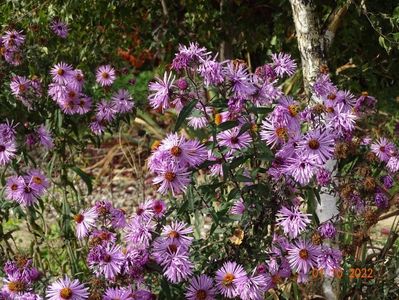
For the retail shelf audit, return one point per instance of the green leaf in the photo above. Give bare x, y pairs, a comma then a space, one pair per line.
185, 112
228, 125
87, 178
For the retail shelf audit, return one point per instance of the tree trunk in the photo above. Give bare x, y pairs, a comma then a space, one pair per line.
311, 44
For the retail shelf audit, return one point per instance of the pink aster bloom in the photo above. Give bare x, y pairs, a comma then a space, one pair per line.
177, 232
59, 28
283, 64
184, 152
393, 164
14, 184
67, 289
227, 278
161, 92
62, 73
8, 150
144, 211
37, 181
233, 140
97, 127
274, 133
76, 81
45, 137
211, 71
20, 86
303, 256
85, 220
122, 101
383, 148
110, 262
27, 195
7, 130
105, 75
341, 119
172, 178
319, 143
177, 265
301, 168
240, 81
201, 288
238, 207
253, 287
139, 232
13, 39
292, 221
105, 111
329, 260
83, 104
188, 55
117, 293
159, 207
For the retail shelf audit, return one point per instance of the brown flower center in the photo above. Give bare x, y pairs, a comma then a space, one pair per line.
218, 119
37, 180
60, 72
172, 248
200, 295
234, 140
105, 75
105, 236
174, 234
79, 218
304, 254
365, 94
16, 286
71, 94
293, 110
382, 149
66, 293
332, 96
107, 258
22, 88
314, 144
170, 176
158, 207
14, 187
281, 132
176, 151
228, 279
27, 189
276, 279
2, 148
330, 109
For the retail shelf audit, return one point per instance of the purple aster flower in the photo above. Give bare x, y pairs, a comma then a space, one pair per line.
14, 185
62, 73
301, 168
237, 75
383, 148
381, 201
327, 230
292, 221
176, 265
238, 207
118, 218
144, 211
323, 177
105, 75
20, 86
7, 130
139, 232
324, 86
188, 55
13, 39
303, 256
341, 119
319, 143
392, 165
161, 92
184, 152
172, 178
197, 119
76, 81
29, 296
15, 285
83, 104
387, 180
211, 71
252, 287
37, 181
122, 101
67, 289
233, 139
265, 93
329, 260
228, 277
27, 195
8, 150
59, 28
97, 127
177, 232
105, 111
201, 288
365, 103
110, 262
159, 207
102, 237
117, 293
283, 64
85, 220
274, 133
45, 137
161, 247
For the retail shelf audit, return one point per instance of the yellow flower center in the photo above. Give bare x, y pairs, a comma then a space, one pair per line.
170, 176
304, 254
66, 293
228, 279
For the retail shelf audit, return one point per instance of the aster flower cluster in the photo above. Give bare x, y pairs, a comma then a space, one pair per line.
26, 189
10, 43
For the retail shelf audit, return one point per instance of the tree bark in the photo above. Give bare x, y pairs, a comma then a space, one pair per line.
310, 41
312, 46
